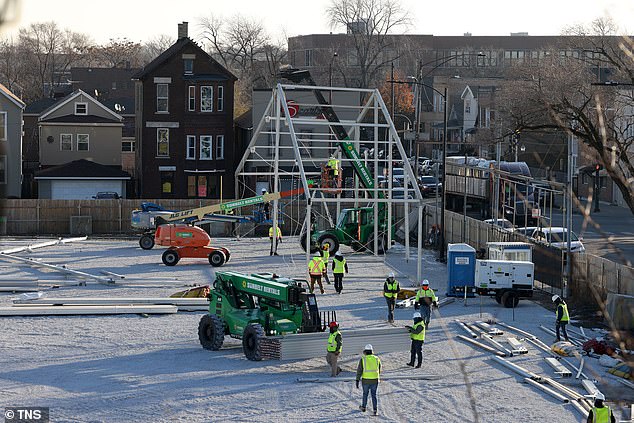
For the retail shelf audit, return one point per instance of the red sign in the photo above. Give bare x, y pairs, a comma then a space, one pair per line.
293, 108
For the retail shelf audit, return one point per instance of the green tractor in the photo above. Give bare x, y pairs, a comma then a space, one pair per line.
255, 308
355, 227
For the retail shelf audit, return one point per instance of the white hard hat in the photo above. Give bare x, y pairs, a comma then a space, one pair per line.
263, 189
416, 315
599, 396
368, 347
555, 298
425, 282
391, 275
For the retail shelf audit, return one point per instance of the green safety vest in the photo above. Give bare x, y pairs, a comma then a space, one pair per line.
325, 255
601, 415
340, 266
565, 317
418, 336
279, 232
316, 266
334, 165
332, 342
425, 293
391, 287
371, 365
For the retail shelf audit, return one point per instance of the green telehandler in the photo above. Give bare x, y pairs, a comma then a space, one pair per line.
255, 308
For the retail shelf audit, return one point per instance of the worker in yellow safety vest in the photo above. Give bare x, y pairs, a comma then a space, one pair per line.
600, 413
391, 289
325, 256
562, 316
335, 344
333, 164
417, 335
368, 372
316, 269
339, 266
279, 240
425, 299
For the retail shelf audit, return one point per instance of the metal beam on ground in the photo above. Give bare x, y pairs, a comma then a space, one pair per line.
546, 389
383, 378
467, 329
517, 369
183, 304
559, 368
86, 310
483, 346
32, 247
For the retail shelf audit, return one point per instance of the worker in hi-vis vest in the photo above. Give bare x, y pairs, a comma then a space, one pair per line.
339, 266
325, 256
562, 316
425, 299
316, 269
335, 344
391, 289
600, 413
368, 372
279, 240
417, 335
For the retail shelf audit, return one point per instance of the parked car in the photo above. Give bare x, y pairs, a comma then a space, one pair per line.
383, 182
526, 231
107, 195
399, 193
557, 237
429, 185
502, 223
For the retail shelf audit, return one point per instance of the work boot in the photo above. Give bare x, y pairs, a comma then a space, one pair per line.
338, 370
362, 408
275, 254
418, 366
323, 292
376, 412
411, 364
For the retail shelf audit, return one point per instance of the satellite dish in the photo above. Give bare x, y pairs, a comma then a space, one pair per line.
96, 93
119, 108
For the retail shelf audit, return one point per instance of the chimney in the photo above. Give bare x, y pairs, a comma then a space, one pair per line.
182, 30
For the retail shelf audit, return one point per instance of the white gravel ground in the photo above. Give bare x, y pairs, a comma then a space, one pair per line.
130, 368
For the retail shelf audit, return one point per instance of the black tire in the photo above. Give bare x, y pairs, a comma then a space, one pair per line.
217, 258
146, 241
330, 239
382, 244
211, 332
251, 341
510, 299
498, 297
170, 258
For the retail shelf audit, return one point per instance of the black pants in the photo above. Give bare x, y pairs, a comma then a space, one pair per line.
391, 303
416, 351
338, 282
562, 325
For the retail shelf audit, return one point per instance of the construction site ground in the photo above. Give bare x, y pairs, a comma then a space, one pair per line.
132, 368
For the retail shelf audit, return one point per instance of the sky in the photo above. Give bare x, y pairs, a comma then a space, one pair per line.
143, 20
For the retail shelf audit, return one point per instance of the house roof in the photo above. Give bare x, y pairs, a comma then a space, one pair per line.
70, 98
8, 94
82, 169
172, 50
81, 119
40, 105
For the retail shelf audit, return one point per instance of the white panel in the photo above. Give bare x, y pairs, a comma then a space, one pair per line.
82, 190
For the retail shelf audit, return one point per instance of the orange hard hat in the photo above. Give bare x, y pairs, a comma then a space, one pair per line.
333, 324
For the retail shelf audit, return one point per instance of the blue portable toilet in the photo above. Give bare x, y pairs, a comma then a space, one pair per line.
461, 261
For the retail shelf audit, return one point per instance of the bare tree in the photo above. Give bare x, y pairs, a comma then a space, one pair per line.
51, 51
117, 53
558, 94
368, 22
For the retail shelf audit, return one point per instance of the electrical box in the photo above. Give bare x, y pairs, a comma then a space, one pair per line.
509, 251
461, 263
502, 274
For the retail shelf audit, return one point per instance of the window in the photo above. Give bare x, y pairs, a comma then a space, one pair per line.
3, 125
584, 178
220, 147
221, 98
189, 66
205, 147
191, 147
202, 185
66, 142
467, 106
81, 109
3, 170
192, 98
162, 98
82, 142
128, 144
167, 182
162, 142
308, 56
206, 99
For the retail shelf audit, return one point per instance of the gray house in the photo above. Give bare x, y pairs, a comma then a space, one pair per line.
11, 108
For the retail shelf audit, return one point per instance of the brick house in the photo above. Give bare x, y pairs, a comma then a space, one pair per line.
184, 124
